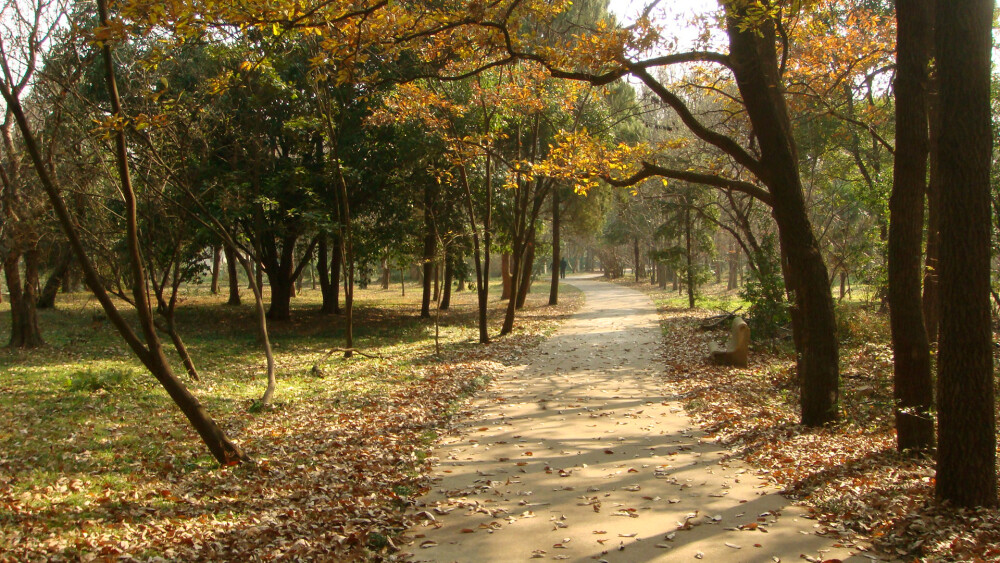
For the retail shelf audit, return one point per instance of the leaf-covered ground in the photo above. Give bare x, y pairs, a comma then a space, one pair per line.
859, 488
96, 464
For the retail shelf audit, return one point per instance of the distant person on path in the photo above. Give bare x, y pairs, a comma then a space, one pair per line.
562, 268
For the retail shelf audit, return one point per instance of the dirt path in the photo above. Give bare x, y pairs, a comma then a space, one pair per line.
583, 455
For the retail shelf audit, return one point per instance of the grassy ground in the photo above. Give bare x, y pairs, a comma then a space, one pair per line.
860, 489
97, 463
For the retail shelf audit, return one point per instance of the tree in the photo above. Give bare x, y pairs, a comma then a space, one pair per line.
966, 465
24, 37
911, 351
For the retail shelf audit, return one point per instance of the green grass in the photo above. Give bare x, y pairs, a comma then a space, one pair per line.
91, 436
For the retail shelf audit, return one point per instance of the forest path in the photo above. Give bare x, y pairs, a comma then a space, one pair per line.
583, 454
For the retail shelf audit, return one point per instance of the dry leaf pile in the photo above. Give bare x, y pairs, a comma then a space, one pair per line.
859, 488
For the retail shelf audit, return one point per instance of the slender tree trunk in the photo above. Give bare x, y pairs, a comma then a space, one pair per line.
449, 273
688, 253
505, 275
912, 383
482, 261
429, 252
556, 252
639, 272
734, 256
170, 328
966, 465
931, 296
526, 271
234, 278
216, 263
336, 273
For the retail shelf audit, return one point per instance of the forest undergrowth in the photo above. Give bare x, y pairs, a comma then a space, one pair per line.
857, 487
97, 465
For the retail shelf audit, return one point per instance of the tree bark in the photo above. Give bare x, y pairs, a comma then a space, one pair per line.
637, 266
688, 253
754, 60
449, 273
386, 273
556, 251
328, 288
931, 296
430, 246
966, 465
47, 297
24, 333
912, 385
216, 264
526, 270
505, 275
234, 279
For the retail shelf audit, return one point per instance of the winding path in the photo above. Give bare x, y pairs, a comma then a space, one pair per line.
584, 455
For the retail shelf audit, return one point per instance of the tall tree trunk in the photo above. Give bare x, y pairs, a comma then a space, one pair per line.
966, 465
754, 60
912, 385
336, 268
234, 278
216, 264
526, 271
430, 245
329, 291
688, 254
386, 273
637, 266
734, 256
47, 297
556, 252
449, 273
481, 256
931, 296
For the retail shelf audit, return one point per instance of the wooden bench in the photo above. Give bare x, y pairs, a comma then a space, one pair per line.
736, 350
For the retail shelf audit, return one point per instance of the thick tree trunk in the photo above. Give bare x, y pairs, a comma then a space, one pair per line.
216, 264
556, 252
280, 308
755, 64
47, 297
386, 273
966, 465
24, 330
912, 383
234, 279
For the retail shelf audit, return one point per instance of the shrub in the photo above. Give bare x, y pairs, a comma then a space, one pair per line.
108, 379
765, 292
